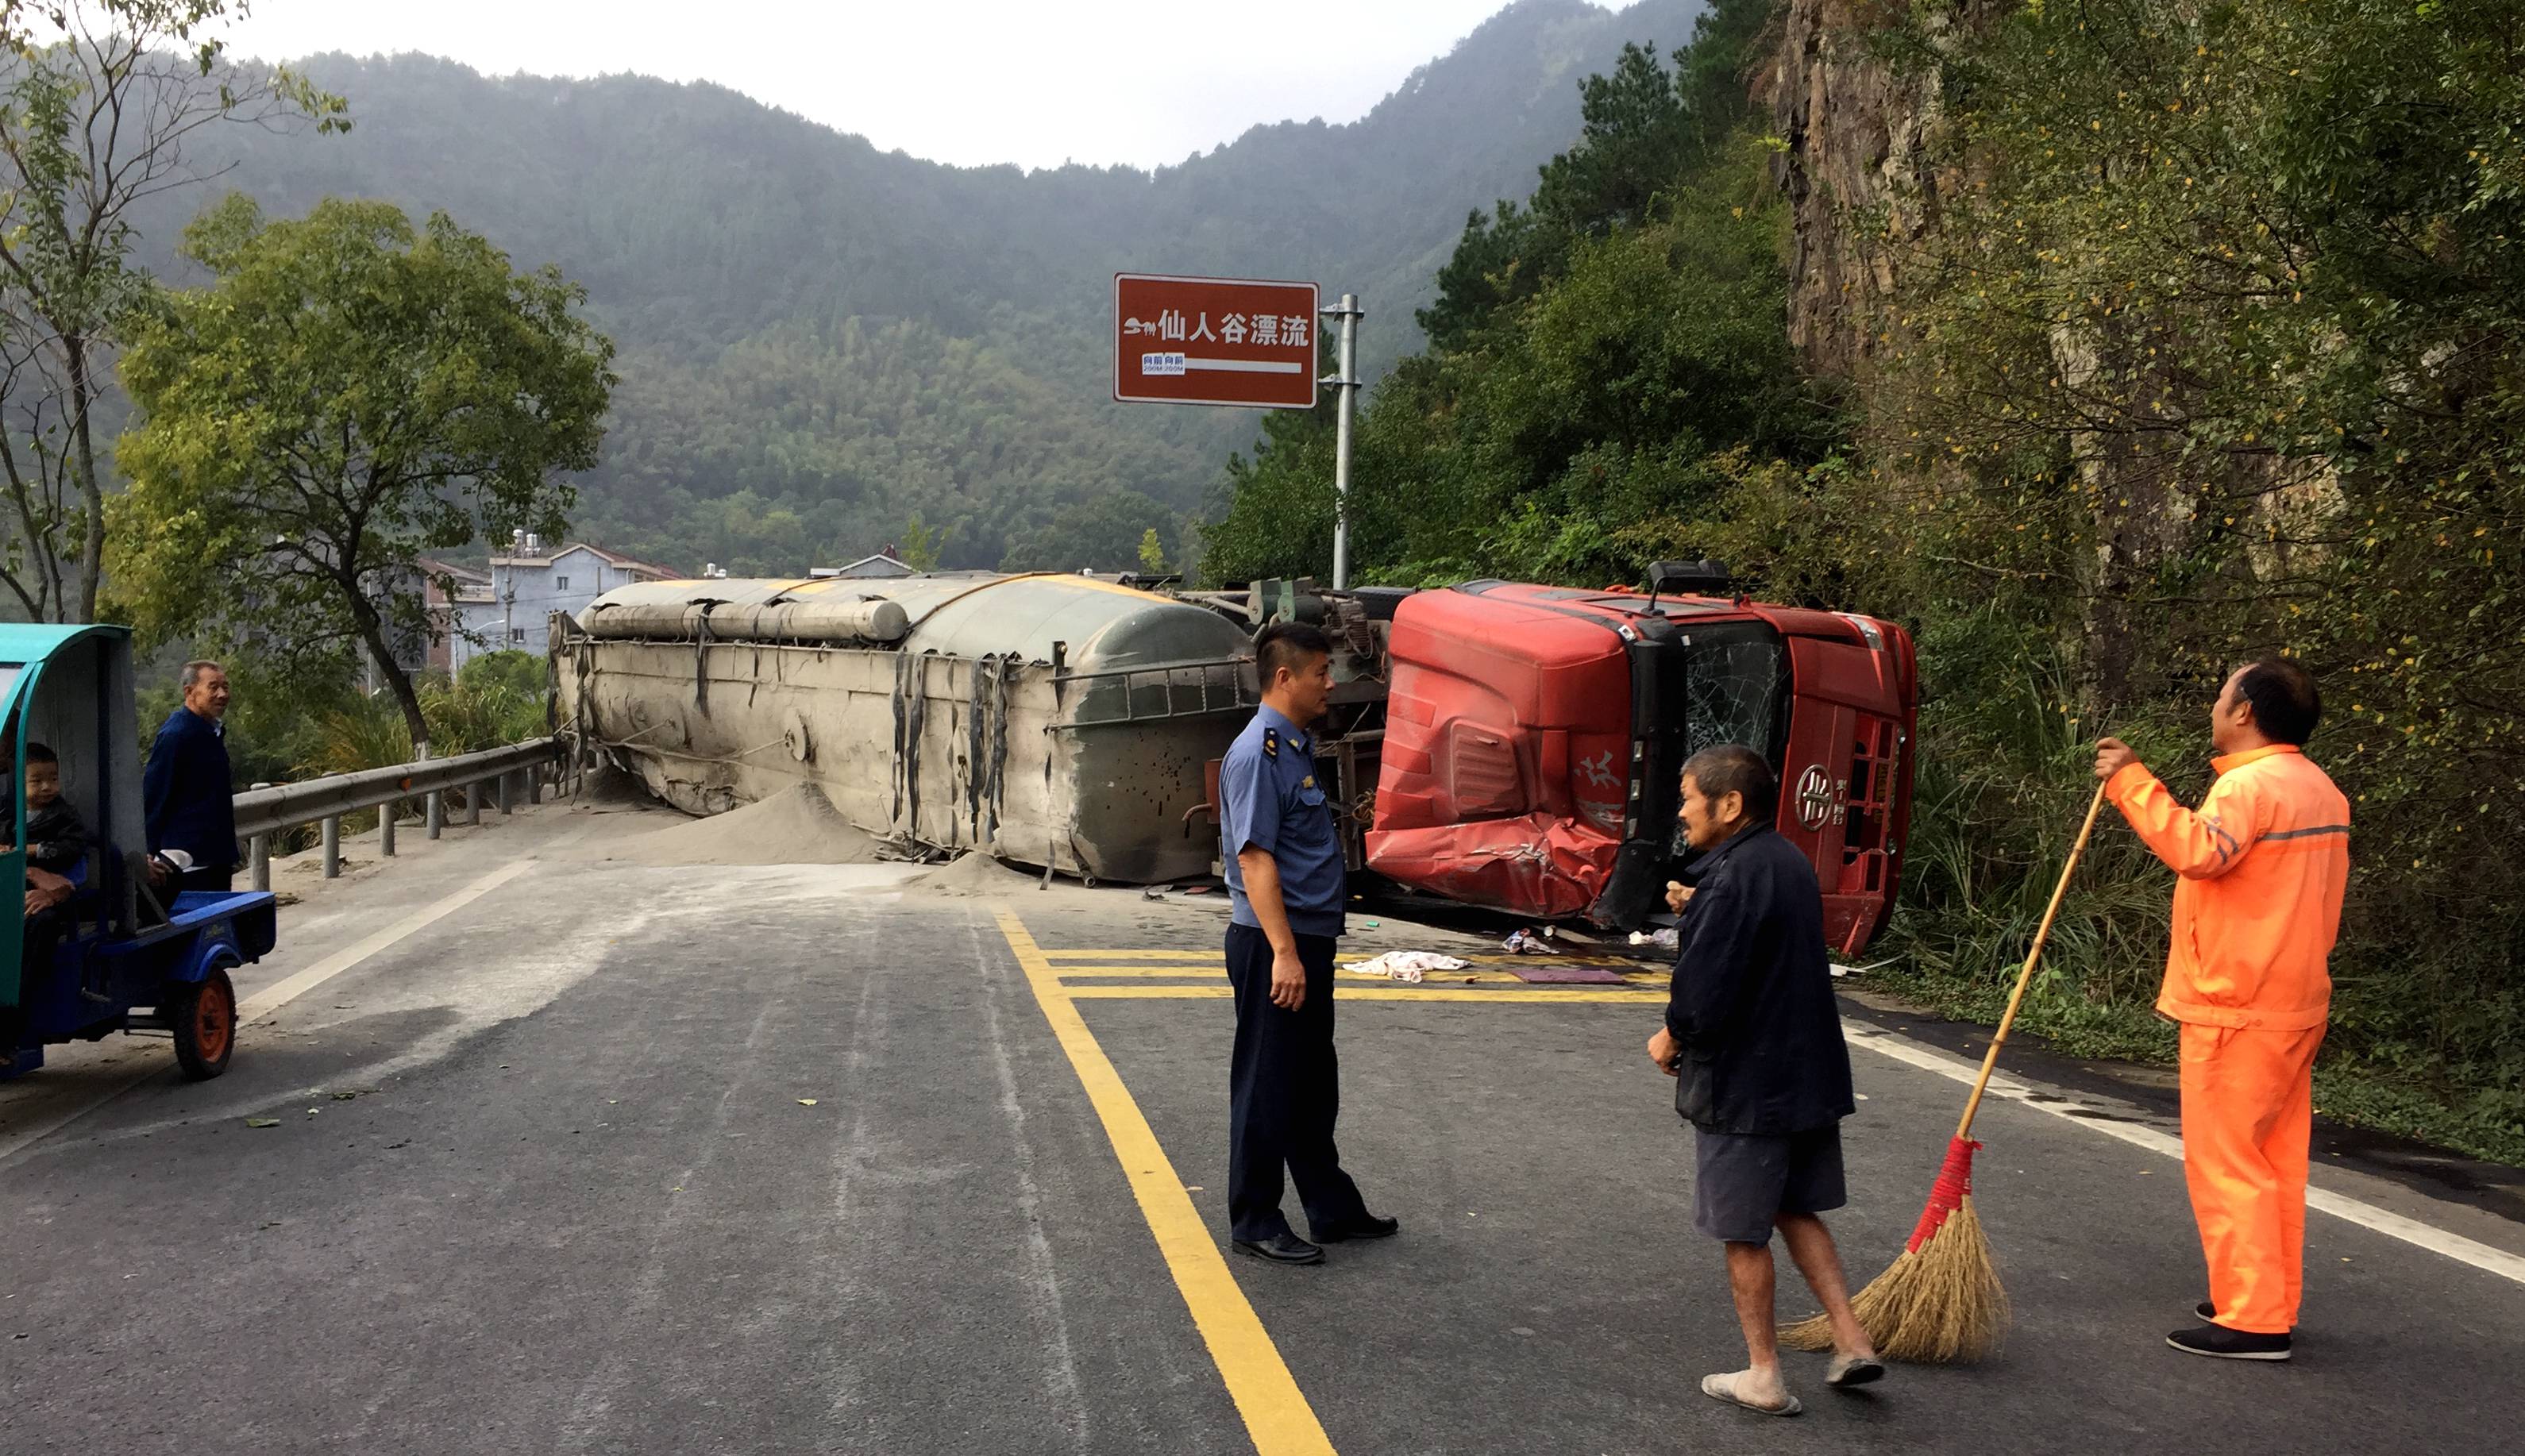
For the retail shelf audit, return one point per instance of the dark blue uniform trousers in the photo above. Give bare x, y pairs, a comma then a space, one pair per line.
1283, 1094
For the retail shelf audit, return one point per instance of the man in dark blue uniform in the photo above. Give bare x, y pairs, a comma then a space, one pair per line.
1753, 1032
1286, 884
185, 792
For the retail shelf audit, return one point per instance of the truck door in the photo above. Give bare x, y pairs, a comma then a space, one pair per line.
1843, 778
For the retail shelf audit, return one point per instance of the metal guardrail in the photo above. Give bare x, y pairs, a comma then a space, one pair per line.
266, 809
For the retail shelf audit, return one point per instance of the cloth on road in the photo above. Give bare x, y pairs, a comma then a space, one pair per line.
1751, 1002
1283, 1094
1407, 965
2248, 1121
1566, 975
2262, 864
1742, 1181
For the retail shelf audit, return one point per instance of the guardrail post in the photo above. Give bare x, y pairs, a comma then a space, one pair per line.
507, 781
332, 846
434, 807
386, 827
535, 784
474, 803
257, 858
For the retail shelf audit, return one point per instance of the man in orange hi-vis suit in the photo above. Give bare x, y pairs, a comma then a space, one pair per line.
2262, 864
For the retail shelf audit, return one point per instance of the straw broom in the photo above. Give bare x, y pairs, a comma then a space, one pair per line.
1941, 1300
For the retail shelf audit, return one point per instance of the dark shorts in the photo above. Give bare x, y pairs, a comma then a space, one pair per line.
1742, 1181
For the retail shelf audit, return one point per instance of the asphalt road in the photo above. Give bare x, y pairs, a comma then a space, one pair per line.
545, 1177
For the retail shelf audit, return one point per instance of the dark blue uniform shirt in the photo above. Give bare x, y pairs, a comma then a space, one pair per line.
1269, 800
185, 792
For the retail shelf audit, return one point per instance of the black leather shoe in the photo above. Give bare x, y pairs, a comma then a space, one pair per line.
1366, 1226
2219, 1342
1282, 1249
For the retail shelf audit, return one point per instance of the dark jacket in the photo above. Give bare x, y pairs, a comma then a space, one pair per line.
1751, 1002
56, 838
185, 792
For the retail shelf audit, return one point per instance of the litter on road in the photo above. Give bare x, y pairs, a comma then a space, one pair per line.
1407, 965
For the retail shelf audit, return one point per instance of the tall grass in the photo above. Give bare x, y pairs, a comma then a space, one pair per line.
2428, 1022
484, 706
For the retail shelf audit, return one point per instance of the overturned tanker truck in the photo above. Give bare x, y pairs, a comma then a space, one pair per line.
1497, 744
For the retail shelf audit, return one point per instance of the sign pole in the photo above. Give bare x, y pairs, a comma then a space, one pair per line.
1347, 381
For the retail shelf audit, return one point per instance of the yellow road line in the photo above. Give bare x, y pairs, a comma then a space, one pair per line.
1537, 995
1212, 973
1276, 1412
1067, 972
1216, 958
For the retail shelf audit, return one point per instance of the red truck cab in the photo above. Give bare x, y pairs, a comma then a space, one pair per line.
1534, 738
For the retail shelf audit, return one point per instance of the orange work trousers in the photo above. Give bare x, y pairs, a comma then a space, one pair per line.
2247, 1126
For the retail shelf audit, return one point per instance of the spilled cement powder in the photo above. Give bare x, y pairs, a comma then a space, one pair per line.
973, 875
795, 826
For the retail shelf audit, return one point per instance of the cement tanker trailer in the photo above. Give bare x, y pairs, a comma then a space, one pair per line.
1496, 743
1049, 720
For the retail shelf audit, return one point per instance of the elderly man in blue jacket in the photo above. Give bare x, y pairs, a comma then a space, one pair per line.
1752, 1033
185, 790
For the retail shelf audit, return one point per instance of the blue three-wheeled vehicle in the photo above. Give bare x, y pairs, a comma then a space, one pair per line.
94, 948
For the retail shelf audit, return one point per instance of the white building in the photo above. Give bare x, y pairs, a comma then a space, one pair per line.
883, 564
530, 583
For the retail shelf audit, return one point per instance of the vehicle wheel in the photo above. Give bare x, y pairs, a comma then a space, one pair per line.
204, 1020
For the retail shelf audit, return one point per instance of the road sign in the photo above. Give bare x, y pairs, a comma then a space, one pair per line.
1213, 341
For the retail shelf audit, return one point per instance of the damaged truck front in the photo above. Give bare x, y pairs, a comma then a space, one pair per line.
1509, 746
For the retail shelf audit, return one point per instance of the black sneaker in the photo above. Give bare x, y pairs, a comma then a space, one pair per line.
2208, 1312
2219, 1342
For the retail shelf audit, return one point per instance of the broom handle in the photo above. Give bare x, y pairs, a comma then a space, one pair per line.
2024, 977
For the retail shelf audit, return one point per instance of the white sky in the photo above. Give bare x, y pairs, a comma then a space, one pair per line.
970, 81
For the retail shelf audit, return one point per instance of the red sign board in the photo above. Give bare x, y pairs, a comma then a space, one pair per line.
1213, 341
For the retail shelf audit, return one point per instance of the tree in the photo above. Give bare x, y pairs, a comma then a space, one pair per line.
920, 545
99, 103
347, 395
1102, 533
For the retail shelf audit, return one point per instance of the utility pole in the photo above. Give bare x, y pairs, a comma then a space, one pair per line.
1347, 382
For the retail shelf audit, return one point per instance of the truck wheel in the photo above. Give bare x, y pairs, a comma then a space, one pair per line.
204, 1020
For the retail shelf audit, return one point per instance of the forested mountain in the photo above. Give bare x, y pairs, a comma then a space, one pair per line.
819, 340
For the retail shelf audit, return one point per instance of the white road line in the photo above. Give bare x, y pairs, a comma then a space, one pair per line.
280, 994
2368, 1216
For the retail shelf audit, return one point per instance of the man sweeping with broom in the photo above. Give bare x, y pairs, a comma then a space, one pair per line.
1752, 1033
2262, 863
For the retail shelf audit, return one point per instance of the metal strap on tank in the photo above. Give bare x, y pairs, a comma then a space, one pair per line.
977, 729
980, 586
701, 660
986, 747
911, 708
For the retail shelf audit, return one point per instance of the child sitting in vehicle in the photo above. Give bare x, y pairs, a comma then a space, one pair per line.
57, 838
57, 843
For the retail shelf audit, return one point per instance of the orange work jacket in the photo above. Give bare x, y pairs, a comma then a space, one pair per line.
2263, 862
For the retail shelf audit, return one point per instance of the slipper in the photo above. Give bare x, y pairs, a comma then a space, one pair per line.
1724, 1388
1854, 1369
